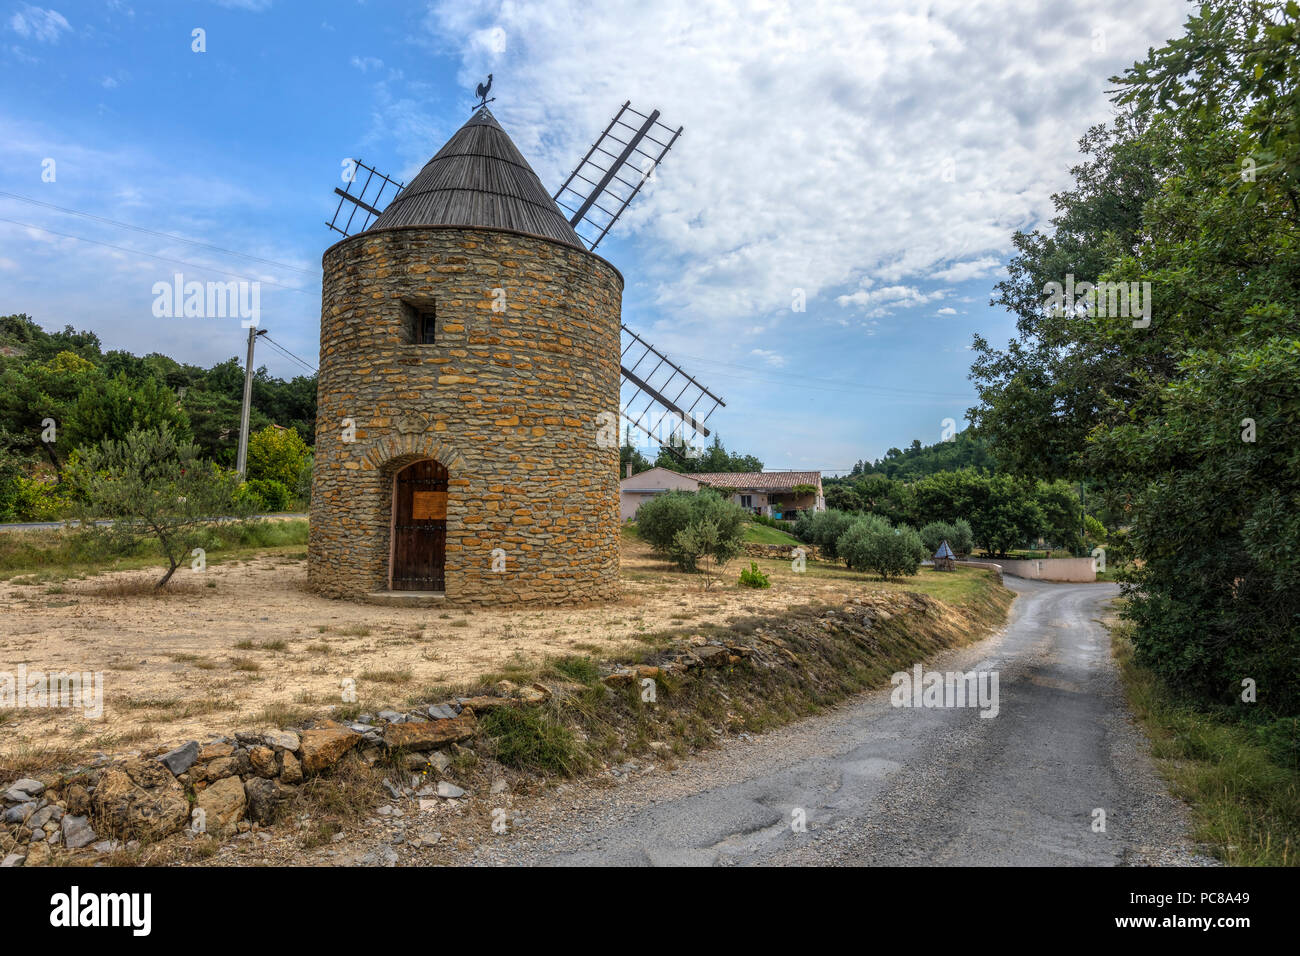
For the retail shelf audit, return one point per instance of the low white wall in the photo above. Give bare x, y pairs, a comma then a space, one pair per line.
1074, 570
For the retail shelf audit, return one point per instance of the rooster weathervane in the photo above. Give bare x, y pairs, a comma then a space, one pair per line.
482, 93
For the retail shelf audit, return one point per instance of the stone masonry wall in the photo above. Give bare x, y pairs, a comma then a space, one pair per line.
507, 400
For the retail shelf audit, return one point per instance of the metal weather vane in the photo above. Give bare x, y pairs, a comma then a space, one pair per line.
482, 93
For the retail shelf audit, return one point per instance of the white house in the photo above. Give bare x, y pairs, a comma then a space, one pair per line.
635, 491
770, 493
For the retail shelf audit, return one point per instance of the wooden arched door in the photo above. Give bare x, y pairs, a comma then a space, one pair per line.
419, 537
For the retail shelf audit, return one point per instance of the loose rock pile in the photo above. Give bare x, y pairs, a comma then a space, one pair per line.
238, 783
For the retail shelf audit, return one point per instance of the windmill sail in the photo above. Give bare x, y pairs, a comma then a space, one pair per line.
630, 150
684, 405
368, 200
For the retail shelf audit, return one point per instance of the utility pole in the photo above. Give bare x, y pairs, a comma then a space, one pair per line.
241, 460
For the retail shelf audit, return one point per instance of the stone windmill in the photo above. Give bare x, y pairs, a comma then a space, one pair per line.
471, 347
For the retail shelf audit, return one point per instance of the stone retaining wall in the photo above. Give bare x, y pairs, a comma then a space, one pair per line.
779, 552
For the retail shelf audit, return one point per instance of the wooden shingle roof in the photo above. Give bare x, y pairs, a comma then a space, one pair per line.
479, 178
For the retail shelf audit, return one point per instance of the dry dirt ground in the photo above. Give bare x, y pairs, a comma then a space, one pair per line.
245, 646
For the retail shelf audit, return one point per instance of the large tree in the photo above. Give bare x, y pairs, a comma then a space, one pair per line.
1189, 427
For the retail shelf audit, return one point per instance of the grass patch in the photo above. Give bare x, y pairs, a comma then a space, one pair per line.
1241, 781
582, 669
765, 534
529, 739
349, 791
386, 677
56, 555
136, 587
283, 715
353, 630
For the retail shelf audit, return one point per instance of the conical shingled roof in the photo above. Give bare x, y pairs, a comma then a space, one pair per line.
479, 178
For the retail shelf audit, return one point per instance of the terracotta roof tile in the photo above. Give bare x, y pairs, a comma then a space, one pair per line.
759, 480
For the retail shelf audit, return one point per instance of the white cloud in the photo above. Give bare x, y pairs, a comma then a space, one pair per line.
35, 23
962, 271
491, 41
947, 310
815, 133
774, 359
367, 63
885, 300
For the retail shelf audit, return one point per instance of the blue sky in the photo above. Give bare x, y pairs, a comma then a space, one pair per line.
876, 157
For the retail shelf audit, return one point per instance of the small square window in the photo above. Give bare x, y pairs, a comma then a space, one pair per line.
419, 326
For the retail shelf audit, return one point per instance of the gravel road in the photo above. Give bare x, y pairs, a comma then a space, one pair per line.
880, 785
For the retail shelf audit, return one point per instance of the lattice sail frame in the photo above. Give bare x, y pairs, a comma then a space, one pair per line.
586, 204
367, 201
685, 405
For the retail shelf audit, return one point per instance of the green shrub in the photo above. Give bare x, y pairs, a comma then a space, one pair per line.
267, 494
531, 740
277, 454
963, 538
957, 533
870, 544
30, 499
301, 490
1094, 532
717, 526
751, 577
824, 529
153, 487
706, 547
659, 519
857, 542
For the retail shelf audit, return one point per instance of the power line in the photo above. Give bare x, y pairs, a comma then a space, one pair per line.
163, 235
802, 384
149, 255
802, 381
287, 354
285, 351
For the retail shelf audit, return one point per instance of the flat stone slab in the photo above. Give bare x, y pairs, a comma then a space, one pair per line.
406, 598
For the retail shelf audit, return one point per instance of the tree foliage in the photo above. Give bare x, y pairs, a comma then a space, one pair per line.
871, 544
152, 486
1188, 429
966, 449
958, 534
662, 519
714, 457
277, 454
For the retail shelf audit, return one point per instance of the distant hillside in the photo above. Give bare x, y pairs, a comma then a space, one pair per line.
965, 450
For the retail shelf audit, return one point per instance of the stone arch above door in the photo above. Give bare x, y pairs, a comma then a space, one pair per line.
405, 449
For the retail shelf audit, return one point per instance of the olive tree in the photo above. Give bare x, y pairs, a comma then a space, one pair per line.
150, 486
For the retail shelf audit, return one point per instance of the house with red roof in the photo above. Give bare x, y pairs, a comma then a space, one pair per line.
775, 494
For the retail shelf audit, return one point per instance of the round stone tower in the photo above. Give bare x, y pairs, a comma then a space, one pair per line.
469, 372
